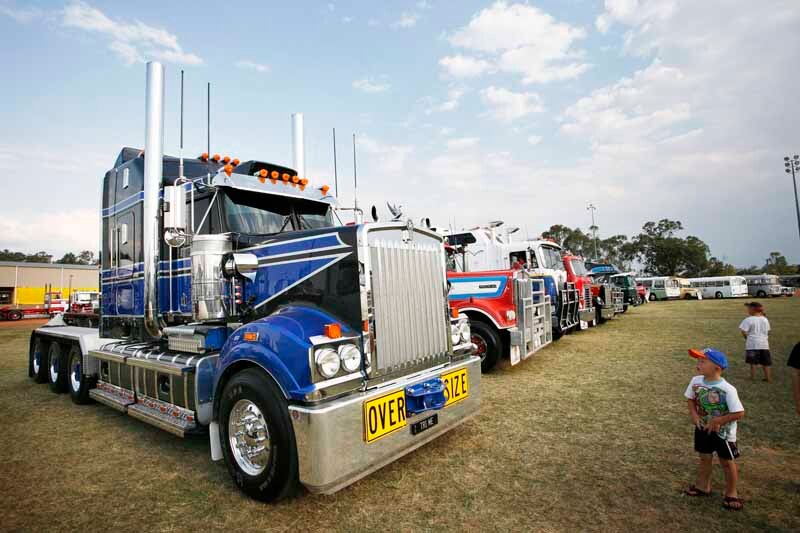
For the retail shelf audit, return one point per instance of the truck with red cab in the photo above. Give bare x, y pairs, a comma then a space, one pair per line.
577, 274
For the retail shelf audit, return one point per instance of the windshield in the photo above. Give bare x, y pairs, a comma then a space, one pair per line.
261, 214
579, 267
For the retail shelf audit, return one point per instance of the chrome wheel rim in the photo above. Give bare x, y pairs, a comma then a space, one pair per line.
54, 369
75, 374
248, 436
480, 346
37, 360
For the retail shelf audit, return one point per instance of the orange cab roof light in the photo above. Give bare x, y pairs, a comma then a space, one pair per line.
333, 331
235, 162
203, 156
324, 189
228, 169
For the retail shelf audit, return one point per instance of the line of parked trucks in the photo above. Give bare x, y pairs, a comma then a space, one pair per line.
236, 304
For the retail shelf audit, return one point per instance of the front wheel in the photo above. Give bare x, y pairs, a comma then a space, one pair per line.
761, 294
487, 343
652, 297
257, 437
718, 295
15, 315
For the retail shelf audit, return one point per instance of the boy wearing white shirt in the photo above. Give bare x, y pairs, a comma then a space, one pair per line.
715, 408
755, 330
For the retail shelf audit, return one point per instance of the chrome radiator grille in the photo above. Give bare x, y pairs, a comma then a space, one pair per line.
408, 304
587, 297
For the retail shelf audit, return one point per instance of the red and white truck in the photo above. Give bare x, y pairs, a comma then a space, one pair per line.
53, 305
577, 274
509, 310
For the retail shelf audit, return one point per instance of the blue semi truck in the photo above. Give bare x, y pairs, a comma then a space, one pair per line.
235, 303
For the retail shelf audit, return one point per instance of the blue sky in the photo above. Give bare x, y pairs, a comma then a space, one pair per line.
465, 111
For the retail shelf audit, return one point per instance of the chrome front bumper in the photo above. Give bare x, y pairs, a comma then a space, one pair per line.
586, 315
331, 449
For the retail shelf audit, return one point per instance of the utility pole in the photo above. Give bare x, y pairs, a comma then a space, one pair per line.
591, 207
793, 167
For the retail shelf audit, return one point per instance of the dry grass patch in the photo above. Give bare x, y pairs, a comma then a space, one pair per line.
591, 434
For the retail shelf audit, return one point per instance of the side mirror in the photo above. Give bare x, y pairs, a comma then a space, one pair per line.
374, 213
245, 265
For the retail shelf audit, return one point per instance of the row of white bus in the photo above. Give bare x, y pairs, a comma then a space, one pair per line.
673, 288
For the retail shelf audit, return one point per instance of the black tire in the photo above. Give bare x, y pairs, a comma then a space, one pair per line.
598, 313
57, 368
488, 342
653, 297
278, 478
37, 360
15, 315
761, 294
718, 295
78, 384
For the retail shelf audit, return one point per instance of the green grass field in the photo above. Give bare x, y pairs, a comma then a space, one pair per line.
590, 434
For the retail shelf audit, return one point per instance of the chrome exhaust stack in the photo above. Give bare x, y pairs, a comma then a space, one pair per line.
153, 181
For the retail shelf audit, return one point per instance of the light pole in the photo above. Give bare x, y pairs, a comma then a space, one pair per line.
591, 207
792, 167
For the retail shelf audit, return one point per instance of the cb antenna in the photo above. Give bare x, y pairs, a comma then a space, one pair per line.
208, 126
335, 173
355, 183
180, 164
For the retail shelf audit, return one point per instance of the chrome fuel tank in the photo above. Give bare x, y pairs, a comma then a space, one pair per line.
209, 289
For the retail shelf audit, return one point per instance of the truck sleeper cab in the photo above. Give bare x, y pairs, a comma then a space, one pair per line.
235, 303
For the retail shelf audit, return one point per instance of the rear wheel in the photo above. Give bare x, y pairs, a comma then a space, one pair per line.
257, 437
652, 297
15, 315
37, 360
718, 295
761, 294
79, 384
57, 368
487, 343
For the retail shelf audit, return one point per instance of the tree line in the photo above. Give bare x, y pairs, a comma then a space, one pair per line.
659, 250
85, 257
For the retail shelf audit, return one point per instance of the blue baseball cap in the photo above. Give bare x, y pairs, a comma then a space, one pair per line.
712, 354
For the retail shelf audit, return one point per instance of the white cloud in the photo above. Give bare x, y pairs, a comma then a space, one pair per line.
51, 232
252, 65
406, 20
424, 4
461, 66
368, 86
453, 100
507, 106
462, 143
388, 159
446, 131
347, 20
533, 140
22, 16
133, 42
523, 39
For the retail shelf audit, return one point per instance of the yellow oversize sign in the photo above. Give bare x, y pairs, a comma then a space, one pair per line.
384, 415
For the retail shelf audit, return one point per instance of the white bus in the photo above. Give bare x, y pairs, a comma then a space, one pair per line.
721, 286
662, 287
763, 285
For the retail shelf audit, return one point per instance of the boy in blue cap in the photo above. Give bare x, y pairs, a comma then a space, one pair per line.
715, 408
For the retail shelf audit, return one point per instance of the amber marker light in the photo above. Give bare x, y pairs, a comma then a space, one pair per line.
365, 326
250, 336
235, 162
332, 331
228, 170
324, 189
226, 159
203, 156
275, 174
454, 312
216, 158
295, 179
285, 176
304, 182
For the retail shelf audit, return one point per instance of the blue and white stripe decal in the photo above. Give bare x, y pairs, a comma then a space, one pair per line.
128, 202
476, 287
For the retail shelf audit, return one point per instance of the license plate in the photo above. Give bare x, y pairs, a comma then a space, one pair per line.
422, 425
456, 386
384, 415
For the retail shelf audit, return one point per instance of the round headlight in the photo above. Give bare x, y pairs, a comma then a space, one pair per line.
464, 332
327, 362
350, 356
455, 336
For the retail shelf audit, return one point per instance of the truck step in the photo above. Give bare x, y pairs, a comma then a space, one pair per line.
163, 415
112, 396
